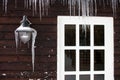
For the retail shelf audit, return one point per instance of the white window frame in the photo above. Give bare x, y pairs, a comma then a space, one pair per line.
108, 46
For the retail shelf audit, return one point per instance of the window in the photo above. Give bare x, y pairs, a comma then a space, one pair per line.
85, 48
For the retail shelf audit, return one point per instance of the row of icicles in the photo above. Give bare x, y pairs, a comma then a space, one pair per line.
83, 7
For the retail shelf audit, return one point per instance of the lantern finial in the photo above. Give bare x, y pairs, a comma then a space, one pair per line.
25, 22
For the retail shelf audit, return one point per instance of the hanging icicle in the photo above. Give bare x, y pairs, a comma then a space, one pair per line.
5, 5
40, 9
95, 7
47, 3
84, 8
79, 6
30, 4
114, 5
70, 6
91, 7
88, 9
15, 3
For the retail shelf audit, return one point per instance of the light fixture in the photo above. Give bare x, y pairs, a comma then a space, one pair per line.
24, 33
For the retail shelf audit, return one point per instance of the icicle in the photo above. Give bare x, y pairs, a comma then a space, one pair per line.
33, 7
46, 6
87, 8
30, 4
26, 4
15, 3
34, 34
74, 2
95, 7
70, 6
83, 8
85, 12
35, 4
40, 9
63, 2
47, 3
3, 4
79, 6
6, 4
91, 7
43, 8
114, 2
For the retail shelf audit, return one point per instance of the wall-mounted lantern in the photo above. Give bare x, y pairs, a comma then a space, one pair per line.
24, 33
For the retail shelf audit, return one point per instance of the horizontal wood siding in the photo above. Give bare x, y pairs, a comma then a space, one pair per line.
17, 66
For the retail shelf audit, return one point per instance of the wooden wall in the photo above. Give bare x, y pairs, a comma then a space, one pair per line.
17, 66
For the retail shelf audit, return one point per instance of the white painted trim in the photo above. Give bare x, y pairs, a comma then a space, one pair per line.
109, 46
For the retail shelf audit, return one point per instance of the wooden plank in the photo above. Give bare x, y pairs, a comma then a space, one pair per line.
27, 75
41, 35
22, 58
27, 66
117, 72
16, 20
27, 52
29, 79
42, 28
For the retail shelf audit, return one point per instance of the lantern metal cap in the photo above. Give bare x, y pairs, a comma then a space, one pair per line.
25, 22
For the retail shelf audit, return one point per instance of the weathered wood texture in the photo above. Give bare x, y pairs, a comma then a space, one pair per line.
18, 66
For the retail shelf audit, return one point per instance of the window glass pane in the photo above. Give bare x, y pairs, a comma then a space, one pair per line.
84, 77
70, 60
70, 77
70, 35
84, 60
99, 35
84, 35
99, 60
99, 77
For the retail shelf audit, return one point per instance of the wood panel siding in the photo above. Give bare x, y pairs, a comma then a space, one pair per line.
18, 66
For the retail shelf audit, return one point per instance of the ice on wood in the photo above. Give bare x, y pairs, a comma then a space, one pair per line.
23, 34
87, 7
84, 8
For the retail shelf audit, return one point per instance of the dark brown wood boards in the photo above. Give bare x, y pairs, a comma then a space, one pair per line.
17, 66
